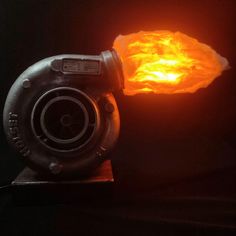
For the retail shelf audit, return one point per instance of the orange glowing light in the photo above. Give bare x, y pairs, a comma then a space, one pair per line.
166, 62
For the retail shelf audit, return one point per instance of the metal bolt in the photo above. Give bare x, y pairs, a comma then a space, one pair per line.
109, 107
55, 168
26, 83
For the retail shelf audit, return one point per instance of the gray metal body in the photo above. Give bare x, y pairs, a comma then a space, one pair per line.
61, 115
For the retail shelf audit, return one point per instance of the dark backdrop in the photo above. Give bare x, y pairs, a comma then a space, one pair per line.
170, 145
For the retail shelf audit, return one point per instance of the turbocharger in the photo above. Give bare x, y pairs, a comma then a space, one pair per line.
61, 115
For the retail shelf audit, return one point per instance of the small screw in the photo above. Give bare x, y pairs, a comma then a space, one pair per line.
109, 107
26, 83
55, 168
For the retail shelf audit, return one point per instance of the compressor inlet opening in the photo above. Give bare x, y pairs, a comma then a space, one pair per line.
64, 119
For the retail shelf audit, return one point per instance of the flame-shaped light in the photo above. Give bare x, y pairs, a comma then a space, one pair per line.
166, 62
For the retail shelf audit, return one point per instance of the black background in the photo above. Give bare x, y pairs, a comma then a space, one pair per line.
170, 145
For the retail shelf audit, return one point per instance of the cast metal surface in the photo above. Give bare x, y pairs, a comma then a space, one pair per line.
61, 115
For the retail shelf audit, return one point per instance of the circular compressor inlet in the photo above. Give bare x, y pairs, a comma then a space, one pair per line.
64, 119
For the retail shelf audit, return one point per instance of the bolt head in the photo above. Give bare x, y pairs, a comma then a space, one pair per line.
109, 107
55, 168
26, 83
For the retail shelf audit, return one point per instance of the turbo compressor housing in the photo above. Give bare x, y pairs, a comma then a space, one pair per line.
61, 115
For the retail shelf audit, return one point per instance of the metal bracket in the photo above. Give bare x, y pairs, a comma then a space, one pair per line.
31, 189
